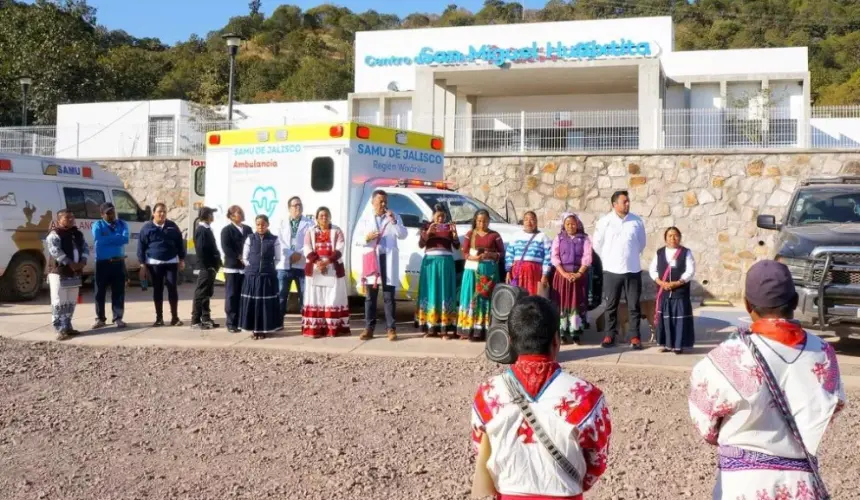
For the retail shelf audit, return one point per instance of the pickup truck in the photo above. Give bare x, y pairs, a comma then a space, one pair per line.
819, 241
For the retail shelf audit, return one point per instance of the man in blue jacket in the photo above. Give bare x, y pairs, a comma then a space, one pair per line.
111, 236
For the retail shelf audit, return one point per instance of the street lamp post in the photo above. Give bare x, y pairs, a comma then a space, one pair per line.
232, 40
25, 81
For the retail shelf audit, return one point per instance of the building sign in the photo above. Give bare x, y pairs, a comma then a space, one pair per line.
498, 56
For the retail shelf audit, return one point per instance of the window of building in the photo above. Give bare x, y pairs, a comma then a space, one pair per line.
322, 174
162, 136
84, 203
406, 209
126, 208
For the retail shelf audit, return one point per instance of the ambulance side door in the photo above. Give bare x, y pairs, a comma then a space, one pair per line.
196, 195
128, 210
410, 256
84, 201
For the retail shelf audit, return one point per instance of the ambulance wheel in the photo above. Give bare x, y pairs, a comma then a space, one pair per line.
24, 277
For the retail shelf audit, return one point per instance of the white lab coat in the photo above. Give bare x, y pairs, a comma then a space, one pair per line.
387, 244
284, 237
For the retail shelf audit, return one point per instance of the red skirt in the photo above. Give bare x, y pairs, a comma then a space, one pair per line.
527, 275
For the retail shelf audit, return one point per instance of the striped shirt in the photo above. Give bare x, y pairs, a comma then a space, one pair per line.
539, 251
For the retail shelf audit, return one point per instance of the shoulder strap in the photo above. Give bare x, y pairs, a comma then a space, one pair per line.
782, 405
519, 399
523, 256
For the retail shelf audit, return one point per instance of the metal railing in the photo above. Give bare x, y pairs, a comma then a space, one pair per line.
833, 127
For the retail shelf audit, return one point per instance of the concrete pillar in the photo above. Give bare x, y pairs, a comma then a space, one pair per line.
724, 94
804, 125
423, 100
649, 104
465, 123
350, 106
385, 112
450, 117
439, 98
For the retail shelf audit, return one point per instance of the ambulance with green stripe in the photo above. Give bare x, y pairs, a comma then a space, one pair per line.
339, 165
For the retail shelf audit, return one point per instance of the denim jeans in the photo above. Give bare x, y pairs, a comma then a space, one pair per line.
286, 277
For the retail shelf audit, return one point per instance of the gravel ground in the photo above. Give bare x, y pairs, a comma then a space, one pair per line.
120, 423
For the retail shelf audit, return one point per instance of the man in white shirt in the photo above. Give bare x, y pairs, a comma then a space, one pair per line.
380, 229
619, 240
291, 267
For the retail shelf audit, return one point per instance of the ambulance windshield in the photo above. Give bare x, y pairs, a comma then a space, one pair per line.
461, 208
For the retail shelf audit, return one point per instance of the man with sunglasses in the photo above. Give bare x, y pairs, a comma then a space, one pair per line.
291, 267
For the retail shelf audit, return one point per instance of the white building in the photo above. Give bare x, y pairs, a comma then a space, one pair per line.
168, 127
565, 86
605, 84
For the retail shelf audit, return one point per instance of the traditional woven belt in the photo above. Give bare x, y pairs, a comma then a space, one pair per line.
736, 459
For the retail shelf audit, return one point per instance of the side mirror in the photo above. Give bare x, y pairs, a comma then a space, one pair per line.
767, 222
510, 211
147, 213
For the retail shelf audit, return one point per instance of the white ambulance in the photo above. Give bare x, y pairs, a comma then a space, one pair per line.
339, 165
32, 190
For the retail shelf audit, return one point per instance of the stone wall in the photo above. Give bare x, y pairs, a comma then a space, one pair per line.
153, 180
712, 199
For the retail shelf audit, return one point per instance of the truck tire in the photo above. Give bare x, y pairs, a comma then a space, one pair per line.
23, 278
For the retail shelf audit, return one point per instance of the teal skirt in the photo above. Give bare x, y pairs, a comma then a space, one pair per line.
473, 319
436, 310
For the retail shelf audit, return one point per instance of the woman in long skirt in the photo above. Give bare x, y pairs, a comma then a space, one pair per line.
527, 257
571, 257
672, 269
260, 309
436, 310
325, 310
483, 249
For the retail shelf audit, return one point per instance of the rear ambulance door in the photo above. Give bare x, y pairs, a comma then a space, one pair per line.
195, 199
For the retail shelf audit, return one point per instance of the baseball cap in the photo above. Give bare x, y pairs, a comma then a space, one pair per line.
107, 207
769, 284
206, 212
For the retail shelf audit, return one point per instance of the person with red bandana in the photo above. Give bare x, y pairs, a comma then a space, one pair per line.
534, 406
766, 395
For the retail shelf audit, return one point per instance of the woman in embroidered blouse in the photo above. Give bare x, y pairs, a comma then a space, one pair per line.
571, 258
436, 310
483, 249
672, 269
326, 310
527, 257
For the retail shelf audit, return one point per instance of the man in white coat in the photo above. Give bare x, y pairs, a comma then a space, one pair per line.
380, 230
291, 267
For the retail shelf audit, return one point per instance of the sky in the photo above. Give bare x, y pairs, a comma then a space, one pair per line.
175, 20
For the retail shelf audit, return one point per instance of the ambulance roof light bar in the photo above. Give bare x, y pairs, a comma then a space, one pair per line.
421, 183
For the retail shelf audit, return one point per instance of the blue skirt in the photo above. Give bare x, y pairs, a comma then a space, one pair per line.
260, 310
675, 326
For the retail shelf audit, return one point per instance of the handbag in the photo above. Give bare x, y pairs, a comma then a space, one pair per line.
370, 260
514, 280
778, 397
520, 400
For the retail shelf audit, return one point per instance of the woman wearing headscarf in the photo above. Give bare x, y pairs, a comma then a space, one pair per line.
483, 249
672, 268
325, 308
527, 257
571, 258
260, 313
436, 311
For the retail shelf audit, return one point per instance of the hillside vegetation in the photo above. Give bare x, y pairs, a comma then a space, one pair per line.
296, 55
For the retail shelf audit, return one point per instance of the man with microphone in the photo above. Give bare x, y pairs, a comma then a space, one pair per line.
381, 229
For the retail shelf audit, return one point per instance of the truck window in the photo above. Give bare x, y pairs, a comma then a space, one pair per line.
126, 208
825, 207
200, 181
322, 174
460, 208
84, 203
408, 211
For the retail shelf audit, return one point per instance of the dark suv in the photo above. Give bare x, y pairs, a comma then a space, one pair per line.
819, 241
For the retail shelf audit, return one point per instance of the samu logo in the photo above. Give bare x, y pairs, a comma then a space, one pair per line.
264, 200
